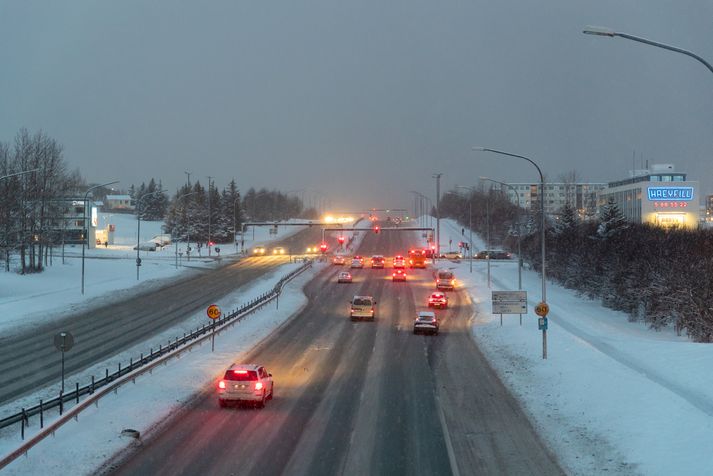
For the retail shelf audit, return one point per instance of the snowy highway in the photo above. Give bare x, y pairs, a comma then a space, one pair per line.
359, 397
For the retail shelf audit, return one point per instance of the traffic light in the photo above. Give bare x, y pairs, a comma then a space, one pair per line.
323, 247
340, 239
376, 229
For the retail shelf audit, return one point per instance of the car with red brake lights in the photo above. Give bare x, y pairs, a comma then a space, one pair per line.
377, 261
357, 262
438, 300
245, 383
399, 275
399, 261
445, 280
426, 321
344, 277
338, 259
362, 307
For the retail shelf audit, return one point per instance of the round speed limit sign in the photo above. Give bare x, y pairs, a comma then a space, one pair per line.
213, 311
542, 309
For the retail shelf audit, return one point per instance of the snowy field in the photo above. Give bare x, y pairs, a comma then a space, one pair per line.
34, 299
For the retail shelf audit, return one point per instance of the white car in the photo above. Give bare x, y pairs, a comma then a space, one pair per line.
245, 383
357, 263
426, 321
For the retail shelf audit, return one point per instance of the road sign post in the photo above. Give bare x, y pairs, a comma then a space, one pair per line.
214, 314
63, 341
542, 309
509, 302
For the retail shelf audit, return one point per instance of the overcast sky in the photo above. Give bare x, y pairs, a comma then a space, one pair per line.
359, 101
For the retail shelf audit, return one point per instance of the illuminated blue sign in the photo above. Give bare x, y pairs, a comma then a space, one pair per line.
673, 194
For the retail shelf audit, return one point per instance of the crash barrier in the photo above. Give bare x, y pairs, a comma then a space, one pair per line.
145, 362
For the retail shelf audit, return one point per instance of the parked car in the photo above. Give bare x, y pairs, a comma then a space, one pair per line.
245, 383
426, 321
492, 254
452, 255
438, 300
148, 246
344, 277
399, 275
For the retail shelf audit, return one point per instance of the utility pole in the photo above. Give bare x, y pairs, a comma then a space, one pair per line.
209, 210
437, 176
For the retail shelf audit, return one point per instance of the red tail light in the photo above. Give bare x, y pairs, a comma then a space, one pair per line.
258, 386
221, 384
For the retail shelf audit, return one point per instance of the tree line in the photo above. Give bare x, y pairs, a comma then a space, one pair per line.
660, 276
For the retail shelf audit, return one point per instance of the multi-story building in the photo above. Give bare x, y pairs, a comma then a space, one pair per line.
70, 228
580, 196
658, 195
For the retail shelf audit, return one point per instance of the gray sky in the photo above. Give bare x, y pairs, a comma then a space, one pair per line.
362, 100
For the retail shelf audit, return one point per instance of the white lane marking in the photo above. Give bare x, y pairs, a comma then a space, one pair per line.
447, 439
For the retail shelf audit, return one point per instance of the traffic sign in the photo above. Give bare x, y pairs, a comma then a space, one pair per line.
517, 296
213, 311
542, 323
542, 309
509, 302
64, 341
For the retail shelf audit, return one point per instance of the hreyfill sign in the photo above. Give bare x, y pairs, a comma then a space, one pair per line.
673, 194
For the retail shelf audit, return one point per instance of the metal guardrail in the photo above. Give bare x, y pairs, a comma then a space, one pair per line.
186, 341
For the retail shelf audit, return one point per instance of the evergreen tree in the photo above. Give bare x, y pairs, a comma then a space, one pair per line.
612, 221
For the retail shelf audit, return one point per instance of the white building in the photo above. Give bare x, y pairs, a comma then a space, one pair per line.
119, 202
658, 195
580, 196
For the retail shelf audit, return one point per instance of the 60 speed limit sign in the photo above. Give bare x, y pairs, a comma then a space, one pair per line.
213, 311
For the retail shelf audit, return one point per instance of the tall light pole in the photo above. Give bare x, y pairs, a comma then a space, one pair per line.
138, 228
19, 173
603, 31
438, 176
209, 213
519, 254
176, 242
542, 229
470, 222
189, 177
84, 221
235, 224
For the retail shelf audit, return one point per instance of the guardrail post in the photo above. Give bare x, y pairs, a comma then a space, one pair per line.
42, 415
106, 376
61, 403
119, 373
91, 390
151, 356
76, 386
159, 349
22, 424
131, 364
142, 359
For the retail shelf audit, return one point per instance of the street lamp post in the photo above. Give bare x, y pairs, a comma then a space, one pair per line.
84, 221
175, 241
438, 176
519, 254
603, 31
138, 228
542, 229
209, 214
470, 223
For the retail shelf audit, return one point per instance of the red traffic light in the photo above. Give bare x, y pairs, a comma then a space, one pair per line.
376, 229
323, 247
340, 239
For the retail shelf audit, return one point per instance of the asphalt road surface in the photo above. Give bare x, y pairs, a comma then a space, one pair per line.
359, 398
30, 360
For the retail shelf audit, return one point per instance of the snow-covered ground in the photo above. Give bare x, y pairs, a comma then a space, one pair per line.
30, 300
612, 397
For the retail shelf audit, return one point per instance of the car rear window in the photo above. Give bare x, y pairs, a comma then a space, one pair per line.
241, 375
362, 302
425, 317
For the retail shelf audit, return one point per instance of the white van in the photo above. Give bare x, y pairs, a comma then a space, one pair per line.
445, 280
362, 307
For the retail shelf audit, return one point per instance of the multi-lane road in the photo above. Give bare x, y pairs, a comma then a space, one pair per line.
359, 397
29, 360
